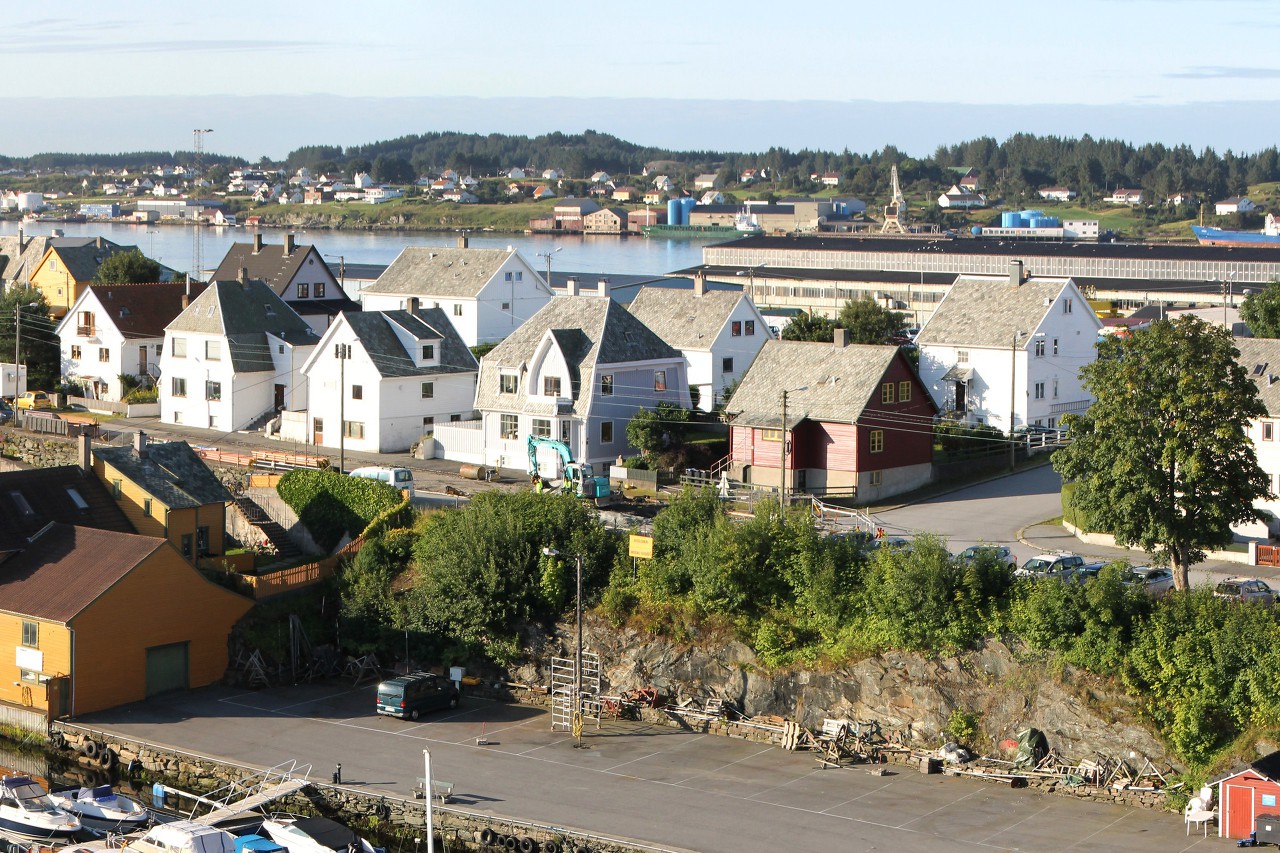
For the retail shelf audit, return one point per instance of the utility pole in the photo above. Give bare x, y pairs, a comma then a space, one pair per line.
342, 352
197, 238
577, 655
782, 486
1013, 400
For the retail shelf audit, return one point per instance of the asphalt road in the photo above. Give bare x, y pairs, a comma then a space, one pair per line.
672, 789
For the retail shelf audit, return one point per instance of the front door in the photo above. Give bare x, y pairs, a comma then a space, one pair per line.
1237, 805
279, 397
142, 361
317, 431
961, 388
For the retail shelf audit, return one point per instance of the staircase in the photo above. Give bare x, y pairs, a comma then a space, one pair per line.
275, 534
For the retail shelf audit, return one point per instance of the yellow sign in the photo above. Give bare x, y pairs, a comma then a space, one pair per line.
641, 546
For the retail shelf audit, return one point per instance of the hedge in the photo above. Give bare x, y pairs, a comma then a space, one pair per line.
332, 504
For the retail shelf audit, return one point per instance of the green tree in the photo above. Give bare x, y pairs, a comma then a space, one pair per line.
39, 350
1162, 460
1261, 310
807, 327
659, 431
869, 323
130, 267
393, 170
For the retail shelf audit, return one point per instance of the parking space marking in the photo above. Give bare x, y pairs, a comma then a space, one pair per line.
724, 766
634, 760
855, 799
1095, 832
1015, 823
783, 785
940, 808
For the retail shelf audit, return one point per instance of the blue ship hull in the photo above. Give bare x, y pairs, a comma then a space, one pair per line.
1221, 237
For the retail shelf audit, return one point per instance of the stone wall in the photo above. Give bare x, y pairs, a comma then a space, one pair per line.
36, 452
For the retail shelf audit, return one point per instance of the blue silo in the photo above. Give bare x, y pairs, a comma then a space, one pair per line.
673, 211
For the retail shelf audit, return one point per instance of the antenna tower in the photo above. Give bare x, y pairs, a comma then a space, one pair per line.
197, 235
895, 214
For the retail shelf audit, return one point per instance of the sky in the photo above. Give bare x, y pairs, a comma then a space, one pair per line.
268, 77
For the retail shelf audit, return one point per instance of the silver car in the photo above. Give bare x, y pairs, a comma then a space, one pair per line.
1153, 580
1060, 566
1000, 553
1245, 589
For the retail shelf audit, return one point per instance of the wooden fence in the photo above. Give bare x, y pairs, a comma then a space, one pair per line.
269, 459
271, 584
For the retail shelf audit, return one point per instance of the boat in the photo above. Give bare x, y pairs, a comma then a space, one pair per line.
688, 230
1268, 237
315, 835
25, 809
101, 808
181, 836
745, 223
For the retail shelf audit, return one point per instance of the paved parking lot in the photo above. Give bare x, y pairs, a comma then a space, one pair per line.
667, 787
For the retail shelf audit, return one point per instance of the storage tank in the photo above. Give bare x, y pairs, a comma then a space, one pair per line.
1011, 219
1052, 222
673, 211
687, 204
976, 230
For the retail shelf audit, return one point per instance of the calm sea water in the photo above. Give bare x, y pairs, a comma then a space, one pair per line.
172, 245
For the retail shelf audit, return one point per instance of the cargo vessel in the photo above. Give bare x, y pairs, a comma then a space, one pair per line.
1268, 237
690, 231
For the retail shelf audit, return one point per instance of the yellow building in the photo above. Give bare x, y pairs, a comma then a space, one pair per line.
70, 264
166, 490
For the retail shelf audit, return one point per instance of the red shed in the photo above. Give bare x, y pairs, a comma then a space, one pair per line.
1248, 793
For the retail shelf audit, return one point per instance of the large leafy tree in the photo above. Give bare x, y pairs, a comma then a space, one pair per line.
39, 347
809, 327
130, 267
869, 323
1162, 459
1261, 310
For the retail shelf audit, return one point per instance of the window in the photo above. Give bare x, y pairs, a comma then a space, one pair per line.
428, 425
660, 380
428, 390
75, 352
319, 290
213, 350
877, 478
751, 328
357, 392
507, 383
771, 435
606, 432
1066, 305
317, 426
428, 352
519, 276
77, 499
213, 421
304, 290
457, 309
736, 328
1268, 431
280, 349
213, 390
551, 386
506, 306
353, 429
1039, 390
179, 347
1055, 346
507, 277
32, 677
542, 427
104, 354
508, 426
904, 391
146, 506
606, 385
962, 356
453, 419
877, 440
886, 392
187, 542
177, 417
116, 489
1055, 389
1040, 349
202, 540
30, 634
726, 365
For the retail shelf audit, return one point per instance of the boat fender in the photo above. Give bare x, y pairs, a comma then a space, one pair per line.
383, 811
499, 840
528, 845
550, 846
58, 739
487, 837
511, 842
583, 850
89, 748
107, 759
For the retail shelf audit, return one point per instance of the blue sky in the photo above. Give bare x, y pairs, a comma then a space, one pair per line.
270, 76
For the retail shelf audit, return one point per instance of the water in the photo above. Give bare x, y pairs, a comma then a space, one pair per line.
171, 245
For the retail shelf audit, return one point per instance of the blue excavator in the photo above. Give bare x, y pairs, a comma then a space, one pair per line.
579, 478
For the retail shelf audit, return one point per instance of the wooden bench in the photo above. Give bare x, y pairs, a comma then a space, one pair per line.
443, 791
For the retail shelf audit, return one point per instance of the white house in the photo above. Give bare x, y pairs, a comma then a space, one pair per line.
706, 182
961, 199
830, 179
552, 174
1260, 357
577, 371
600, 178
362, 180
115, 329
516, 172
233, 355
991, 336
295, 271
1056, 193
711, 197
406, 372
487, 293
1124, 196
719, 333
1235, 204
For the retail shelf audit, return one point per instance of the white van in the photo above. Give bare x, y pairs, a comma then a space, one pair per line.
401, 478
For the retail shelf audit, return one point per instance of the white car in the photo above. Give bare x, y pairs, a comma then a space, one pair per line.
1045, 566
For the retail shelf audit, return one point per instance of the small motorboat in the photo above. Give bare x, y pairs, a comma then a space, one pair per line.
315, 835
25, 809
182, 836
101, 808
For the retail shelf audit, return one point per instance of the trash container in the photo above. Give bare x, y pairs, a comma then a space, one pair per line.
1267, 828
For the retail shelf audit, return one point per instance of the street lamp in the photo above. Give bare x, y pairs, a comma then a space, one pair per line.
577, 654
1226, 297
750, 273
782, 491
426, 795
547, 257
342, 272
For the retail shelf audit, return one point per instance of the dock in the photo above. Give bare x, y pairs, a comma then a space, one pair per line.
246, 795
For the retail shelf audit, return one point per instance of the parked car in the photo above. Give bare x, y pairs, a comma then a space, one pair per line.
6, 413
1087, 572
34, 400
1245, 589
409, 695
1153, 580
1000, 553
1045, 566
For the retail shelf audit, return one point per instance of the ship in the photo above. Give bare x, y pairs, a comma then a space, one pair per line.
690, 231
1268, 237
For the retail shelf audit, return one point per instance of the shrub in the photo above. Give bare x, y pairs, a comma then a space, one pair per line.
964, 727
331, 504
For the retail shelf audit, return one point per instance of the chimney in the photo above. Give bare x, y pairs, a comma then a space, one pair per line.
84, 453
98, 242
841, 338
186, 300
463, 243
602, 287
699, 284
140, 444
257, 243
22, 243
1015, 273
243, 275
288, 245
571, 286
411, 305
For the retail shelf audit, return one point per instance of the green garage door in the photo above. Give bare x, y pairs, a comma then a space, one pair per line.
166, 668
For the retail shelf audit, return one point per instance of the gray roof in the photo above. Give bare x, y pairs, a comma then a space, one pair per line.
19, 256
591, 331
170, 471
682, 318
1261, 358
433, 272
987, 311
375, 333
243, 313
82, 256
838, 382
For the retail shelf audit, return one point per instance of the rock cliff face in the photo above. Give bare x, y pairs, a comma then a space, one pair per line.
902, 691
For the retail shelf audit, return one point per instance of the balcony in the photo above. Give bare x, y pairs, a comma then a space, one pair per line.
86, 331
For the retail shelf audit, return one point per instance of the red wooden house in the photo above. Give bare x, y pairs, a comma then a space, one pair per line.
858, 419
1247, 794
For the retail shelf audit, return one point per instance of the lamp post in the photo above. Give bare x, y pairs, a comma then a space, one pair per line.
1226, 297
750, 273
426, 795
1013, 400
342, 272
547, 257
342, 352
782, 490
17, 339
577, 652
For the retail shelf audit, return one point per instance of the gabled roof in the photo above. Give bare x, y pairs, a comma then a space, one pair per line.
684, 319
430, 273
581, 205
591, 331
1260, 357
170, 471
243, 313
270, 264
20, 255
81, 256
142, 310
31, 499
987, 311
67, 568
1268, 767
376, 334
838, 382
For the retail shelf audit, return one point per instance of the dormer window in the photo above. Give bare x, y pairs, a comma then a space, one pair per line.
304, 290
551, 386
508, 383
428, 352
